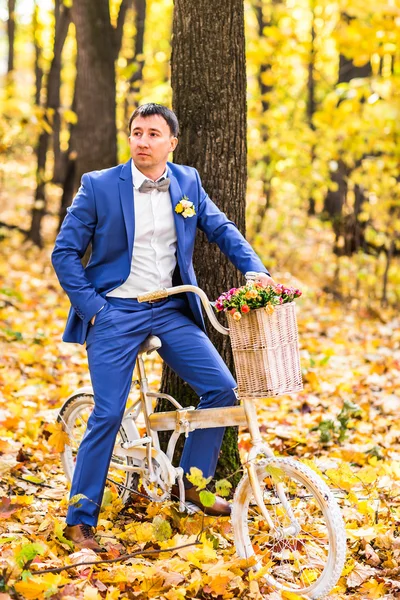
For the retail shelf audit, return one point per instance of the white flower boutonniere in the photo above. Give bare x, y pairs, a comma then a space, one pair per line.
185, 208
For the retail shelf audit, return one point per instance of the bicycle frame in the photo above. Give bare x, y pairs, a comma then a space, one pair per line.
184, 420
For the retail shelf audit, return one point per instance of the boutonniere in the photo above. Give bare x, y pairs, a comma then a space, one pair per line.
185, 208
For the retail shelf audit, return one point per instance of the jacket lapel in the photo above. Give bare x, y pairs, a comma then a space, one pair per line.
176, 196
125, 185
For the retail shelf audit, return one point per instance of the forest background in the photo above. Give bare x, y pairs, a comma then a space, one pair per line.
322, 209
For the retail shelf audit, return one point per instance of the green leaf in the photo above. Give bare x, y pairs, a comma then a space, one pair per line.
324, 361
162, 529
26, 574
32, 478
107, 498
75, 500
223, 487
28, 553
196, 477
5, 540
207, 498
276, 473
59, 533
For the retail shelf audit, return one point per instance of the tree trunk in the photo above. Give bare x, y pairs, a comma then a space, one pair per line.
131, 98
50, 117
264, 133
335, 200
11, 35
69, 169
95, 86
38, 69
311, 102
209, 97
62, 23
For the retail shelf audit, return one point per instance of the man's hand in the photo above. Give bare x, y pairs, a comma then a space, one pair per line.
265, 280
92, 320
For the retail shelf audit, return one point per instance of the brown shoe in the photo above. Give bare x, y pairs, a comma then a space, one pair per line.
82, 536
220, 508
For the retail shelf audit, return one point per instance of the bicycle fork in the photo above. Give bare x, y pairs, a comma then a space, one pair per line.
259, 447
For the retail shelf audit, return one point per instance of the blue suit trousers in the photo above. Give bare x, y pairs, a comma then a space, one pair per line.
112, 346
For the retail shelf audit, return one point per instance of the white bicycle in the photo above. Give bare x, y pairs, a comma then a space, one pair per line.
285, 519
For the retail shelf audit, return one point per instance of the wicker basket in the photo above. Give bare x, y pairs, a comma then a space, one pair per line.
266, 352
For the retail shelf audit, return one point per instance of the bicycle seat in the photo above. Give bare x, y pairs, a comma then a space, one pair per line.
150, 344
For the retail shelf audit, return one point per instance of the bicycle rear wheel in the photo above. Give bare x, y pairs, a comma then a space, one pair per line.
74, 415
305, 551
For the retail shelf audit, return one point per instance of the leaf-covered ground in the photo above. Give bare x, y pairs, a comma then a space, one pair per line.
345, 424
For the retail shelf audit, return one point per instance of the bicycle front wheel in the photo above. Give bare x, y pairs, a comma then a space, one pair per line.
304, 552
74, 415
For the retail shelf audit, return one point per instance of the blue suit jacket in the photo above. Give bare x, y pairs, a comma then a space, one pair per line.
103, 213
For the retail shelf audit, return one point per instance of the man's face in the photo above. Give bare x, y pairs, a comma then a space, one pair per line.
150, 143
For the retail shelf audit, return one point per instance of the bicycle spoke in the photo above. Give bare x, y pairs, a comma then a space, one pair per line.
294, 561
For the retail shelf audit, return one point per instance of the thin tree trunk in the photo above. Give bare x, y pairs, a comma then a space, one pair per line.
389, 257
38, 69
62, 22
11, 35
51, 110
265, 89
209, 97
135, 81
311, 102
335, 200
69, 170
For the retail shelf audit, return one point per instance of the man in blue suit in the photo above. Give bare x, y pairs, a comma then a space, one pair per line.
141, 218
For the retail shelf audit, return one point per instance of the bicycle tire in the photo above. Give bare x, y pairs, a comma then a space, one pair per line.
79, 406
311, 561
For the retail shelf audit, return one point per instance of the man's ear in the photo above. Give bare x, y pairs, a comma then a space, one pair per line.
174, 143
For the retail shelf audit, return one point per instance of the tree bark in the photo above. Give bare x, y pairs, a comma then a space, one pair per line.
62, 23
69, 169
335, 200
51, 117
95, 86
11, 35
38, 69
131, 99
209, 97
264, 21
311, 102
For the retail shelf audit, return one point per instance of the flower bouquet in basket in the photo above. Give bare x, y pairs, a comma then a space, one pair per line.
263, 332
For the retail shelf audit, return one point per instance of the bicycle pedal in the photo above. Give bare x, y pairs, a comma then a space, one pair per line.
191, 508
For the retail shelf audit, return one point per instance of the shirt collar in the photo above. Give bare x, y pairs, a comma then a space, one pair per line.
138, 178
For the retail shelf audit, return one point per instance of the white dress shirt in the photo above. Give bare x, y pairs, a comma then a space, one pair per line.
154, 247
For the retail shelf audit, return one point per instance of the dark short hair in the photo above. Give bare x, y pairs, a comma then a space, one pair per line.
147, 110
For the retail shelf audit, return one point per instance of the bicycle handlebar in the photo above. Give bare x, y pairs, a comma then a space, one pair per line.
165, 292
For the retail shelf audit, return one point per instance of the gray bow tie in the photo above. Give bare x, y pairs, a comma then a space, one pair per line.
148, 186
